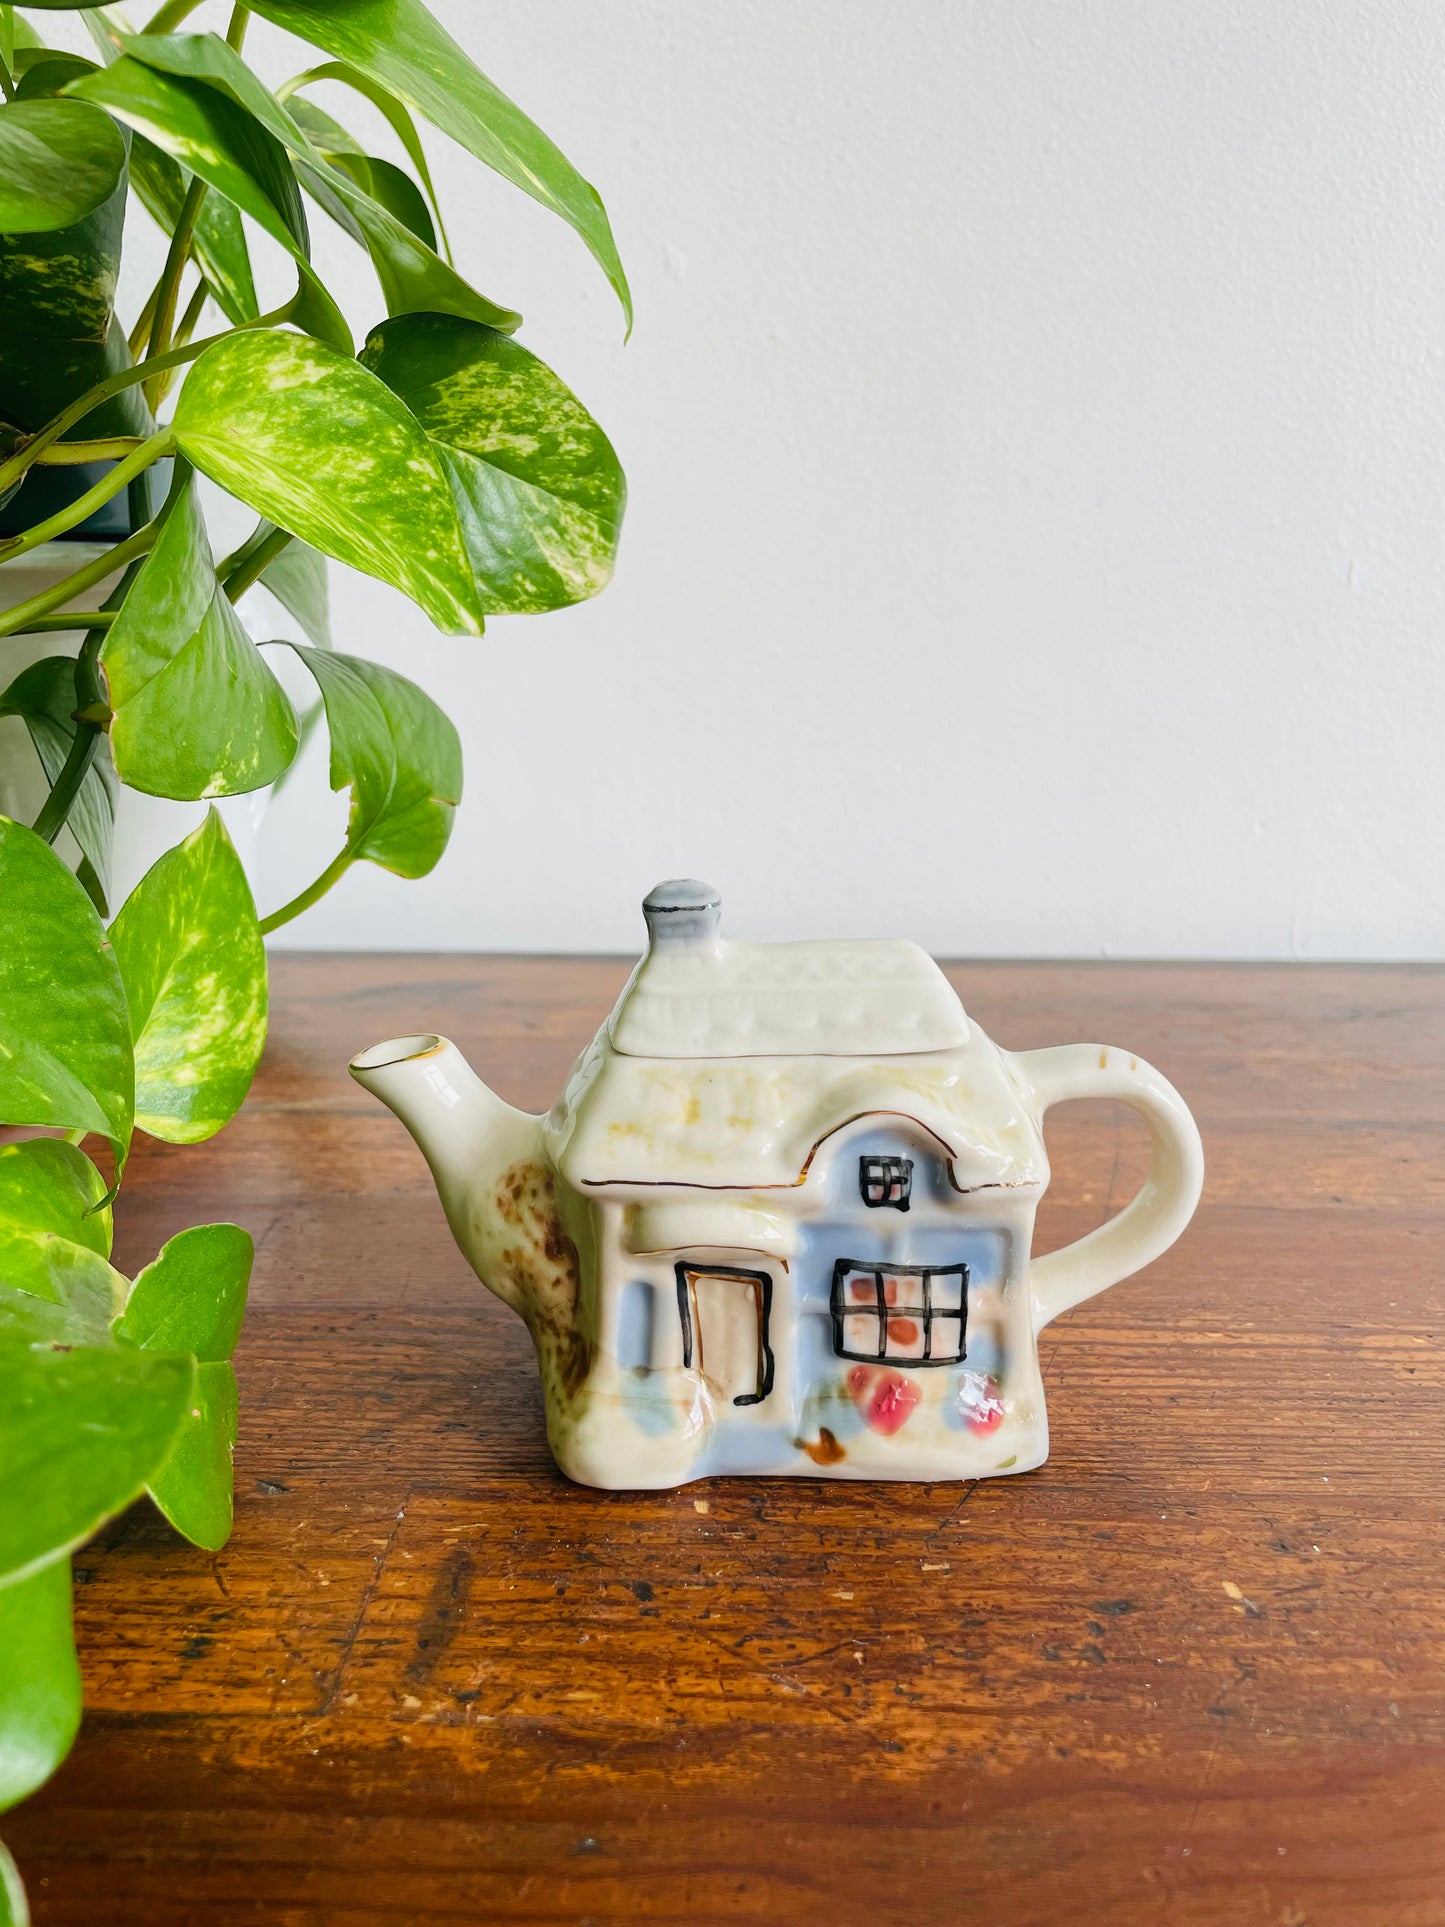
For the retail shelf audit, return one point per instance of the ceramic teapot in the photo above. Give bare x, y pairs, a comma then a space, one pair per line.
779, 1220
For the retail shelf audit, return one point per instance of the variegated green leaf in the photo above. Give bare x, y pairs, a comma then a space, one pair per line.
83, 1428
398, 754
58, 335
386, 102
44, 695
194, 967
540, 490
54, 1241
65, 1049
191, 1297
208, 134
39, 1681
59, 161
193, 1487
197, 712
42, 73
413, 277
314, 442
396, 191
402, 46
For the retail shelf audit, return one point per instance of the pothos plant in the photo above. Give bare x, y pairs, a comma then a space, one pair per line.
443, 458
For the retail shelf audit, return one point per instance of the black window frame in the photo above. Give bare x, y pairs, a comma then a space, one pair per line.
925, 1313
885, 1171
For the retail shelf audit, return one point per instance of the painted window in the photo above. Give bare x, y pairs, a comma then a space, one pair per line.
914, 1314
885, 1181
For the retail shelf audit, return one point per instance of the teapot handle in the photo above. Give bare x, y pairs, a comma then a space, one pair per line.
1165, 1203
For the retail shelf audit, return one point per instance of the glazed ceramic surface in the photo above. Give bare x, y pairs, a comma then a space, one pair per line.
779, 1220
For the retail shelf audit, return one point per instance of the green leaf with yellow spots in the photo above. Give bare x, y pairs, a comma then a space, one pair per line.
197, 712
59, 161
65, 1048
190, 952
539, 489
39, 1681
209, 135
317, 444
398, 754
58, 335
400, 45
412, 275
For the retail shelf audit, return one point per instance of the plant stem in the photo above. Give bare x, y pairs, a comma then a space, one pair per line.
236, 31
15, 467
313, 893
93, 498
16, 621
92, 714
170, 16
186, 326
170, 283
73, 772
143, 321
68, 619
109, 449
251, 562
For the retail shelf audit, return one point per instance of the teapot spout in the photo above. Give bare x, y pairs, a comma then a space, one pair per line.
468, 1136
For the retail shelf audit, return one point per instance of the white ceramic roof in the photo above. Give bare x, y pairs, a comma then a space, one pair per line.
869, 998
754, 1123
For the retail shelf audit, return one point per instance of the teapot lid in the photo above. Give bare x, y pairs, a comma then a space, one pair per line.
695, 994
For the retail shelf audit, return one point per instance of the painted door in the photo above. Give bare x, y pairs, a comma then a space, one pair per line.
724, 1312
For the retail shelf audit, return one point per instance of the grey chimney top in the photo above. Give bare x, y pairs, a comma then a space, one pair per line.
682, 910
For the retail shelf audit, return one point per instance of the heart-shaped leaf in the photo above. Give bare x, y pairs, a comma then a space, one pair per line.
314, 442
83, 1428
191, 1297
196, 710
539, 487
65, 1049
208, 134
59, 161
399, 755
193, 1488
194, 967
54, 1241
44, 695
39, 1681
399, 44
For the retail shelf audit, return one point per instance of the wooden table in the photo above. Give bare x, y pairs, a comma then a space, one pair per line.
1193, 1671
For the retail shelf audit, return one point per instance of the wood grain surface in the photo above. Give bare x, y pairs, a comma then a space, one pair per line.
1192, 1671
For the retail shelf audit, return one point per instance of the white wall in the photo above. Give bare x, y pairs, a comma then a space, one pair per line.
1036, 429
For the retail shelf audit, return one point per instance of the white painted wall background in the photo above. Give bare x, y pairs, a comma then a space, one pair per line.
1036, 430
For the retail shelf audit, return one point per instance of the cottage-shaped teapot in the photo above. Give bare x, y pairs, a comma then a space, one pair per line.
779, 1220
